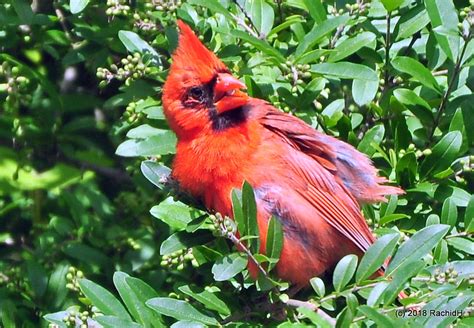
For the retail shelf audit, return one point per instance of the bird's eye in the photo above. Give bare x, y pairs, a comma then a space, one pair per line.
196, 93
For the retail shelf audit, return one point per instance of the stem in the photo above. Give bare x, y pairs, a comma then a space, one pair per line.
460, 234
336, 36
312, 307
387, 53
251, 29
444, 100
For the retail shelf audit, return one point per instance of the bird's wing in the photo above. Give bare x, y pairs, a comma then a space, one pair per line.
314, 168
355, 169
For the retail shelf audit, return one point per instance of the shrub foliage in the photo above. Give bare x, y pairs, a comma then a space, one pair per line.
94, 233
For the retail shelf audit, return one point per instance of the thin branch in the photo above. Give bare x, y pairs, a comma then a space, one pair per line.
312, 307
415, 37
336, 36
460, 234
444, 100
387, 53
251, 29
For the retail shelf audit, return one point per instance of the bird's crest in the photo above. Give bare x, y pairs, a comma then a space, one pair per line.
192, 55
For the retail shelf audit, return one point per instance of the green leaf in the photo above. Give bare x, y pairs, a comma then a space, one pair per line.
108, 321
37, 277
55, 318
313, 316
134, 43
444, 21
392, 217
274, 240
181, 240
462, 244
459, 303
176, 214
318, 32
391, 5
415, 104
156, 173
417, 246
443, 154
134, 294
213, 6
376, 255
260, 45
179, 310
351, 45
8, 313
379, 319
403, 273
411, 22
103, 299
417, 70
316, 10
318, 286
208, 299
449, 212
144, 131
344, 271
262, 15
24, 11
76, 6
373, 136
56, 292
228, 266
375, 296
364, 91
249, 209
345, 70
161, 144
469, 215
238, 212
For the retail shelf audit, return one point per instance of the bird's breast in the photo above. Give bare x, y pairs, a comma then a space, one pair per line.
210, 166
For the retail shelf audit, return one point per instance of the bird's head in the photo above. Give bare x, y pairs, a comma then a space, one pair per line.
199, 90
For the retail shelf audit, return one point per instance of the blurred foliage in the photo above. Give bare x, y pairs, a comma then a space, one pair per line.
80, 83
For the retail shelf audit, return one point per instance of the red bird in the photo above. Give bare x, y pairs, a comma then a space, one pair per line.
311, 182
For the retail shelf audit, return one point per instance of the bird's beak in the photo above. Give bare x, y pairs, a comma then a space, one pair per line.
227, 94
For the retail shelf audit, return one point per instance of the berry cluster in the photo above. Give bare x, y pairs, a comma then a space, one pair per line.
223, 226
129, 69
144, 22
467, 164
178, 259
73, 275
412, 148
296, 73
79, 319
131, 114
117, 8
167, 6
468, 15
441, 277
17, 86
358, 8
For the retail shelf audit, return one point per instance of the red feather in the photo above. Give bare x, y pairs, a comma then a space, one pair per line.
311, 182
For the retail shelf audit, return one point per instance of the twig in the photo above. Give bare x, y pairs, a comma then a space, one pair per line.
387, 54
251, 29
460, 234
415, 37
444, 100
62, 21
336, 36
312, 307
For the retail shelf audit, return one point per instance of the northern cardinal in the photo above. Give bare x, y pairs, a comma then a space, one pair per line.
311, 182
